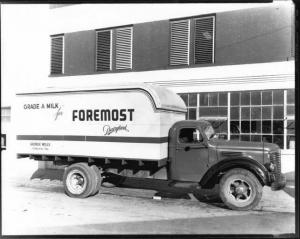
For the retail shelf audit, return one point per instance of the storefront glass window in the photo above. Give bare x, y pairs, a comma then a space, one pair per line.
223, 99
213, 107
235, 113
192, 100
204, 99
290, 124
256, 127
261, 116
278, 97
266, 112
192, 113
256, 98
184, 97
245, 113
267, 97
291, 96
235, 98
254, 115
245, 98
213, 99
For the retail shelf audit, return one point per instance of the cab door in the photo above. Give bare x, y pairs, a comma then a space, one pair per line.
191, 155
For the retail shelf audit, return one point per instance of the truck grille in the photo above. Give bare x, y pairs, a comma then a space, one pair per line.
276, 159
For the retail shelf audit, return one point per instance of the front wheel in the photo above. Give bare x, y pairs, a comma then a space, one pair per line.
240, 189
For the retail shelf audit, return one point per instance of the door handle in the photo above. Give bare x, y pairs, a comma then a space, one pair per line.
187, 148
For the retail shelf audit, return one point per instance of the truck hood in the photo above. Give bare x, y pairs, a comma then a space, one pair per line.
243, 145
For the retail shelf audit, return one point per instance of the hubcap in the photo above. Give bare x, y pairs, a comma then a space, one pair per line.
240, 190
76, 182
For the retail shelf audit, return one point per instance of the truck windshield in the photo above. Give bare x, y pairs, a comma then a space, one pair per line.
209, 131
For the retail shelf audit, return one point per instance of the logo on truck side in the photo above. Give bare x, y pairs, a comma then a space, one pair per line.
109, 130
103, 115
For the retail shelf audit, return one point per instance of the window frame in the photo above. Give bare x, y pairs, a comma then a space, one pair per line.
188, 42
131, 48
213, 40
111, 50
260, 134
63, 54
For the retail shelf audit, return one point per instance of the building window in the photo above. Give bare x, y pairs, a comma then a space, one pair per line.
290, 116
257, 116
190, 101
124, 48
204, 40
267, 115
213, 108
180, 42
57, 52
103, 50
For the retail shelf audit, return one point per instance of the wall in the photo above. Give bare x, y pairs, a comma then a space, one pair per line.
150, 45
260, 35
242, 37
80, 52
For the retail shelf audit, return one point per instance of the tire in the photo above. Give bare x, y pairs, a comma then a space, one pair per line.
208, 195
240, 189
79, 180
98, 179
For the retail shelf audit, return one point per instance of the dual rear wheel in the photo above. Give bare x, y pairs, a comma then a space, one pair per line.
81, 180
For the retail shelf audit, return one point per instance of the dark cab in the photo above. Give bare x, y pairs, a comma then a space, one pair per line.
240, 168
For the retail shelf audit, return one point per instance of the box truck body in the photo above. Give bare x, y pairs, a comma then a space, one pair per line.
126, 122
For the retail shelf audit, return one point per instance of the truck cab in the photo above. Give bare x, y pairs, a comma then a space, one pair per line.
240, 168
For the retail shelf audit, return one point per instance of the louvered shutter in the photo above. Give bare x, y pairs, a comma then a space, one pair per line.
124, 48
204, 40
57, 55
103, 53
179, 51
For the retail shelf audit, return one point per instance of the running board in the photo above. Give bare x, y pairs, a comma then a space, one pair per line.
186, 185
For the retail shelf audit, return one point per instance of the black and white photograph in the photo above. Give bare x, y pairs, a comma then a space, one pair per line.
148, 119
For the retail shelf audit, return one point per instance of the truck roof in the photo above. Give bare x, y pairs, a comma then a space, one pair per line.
162, 98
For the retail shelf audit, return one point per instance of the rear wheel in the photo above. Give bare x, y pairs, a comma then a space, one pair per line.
79, 180
98, 179
240, 189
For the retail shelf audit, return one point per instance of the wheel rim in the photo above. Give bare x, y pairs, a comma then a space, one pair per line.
240, 191
76, 182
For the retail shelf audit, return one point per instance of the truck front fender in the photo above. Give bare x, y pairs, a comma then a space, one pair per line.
211, 176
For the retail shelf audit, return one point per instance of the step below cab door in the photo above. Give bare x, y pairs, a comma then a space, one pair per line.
191, 155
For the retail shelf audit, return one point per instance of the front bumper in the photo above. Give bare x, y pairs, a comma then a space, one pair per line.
279, 183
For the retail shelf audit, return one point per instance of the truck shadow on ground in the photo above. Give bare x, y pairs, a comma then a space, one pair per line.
161, 187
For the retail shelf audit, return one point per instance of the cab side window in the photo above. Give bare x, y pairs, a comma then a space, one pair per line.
189, 135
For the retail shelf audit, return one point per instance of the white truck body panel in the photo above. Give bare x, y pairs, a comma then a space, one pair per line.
124, 122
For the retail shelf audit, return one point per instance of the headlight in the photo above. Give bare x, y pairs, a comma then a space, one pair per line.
270, 167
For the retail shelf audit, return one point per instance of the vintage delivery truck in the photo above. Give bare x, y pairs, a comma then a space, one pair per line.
139, 127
